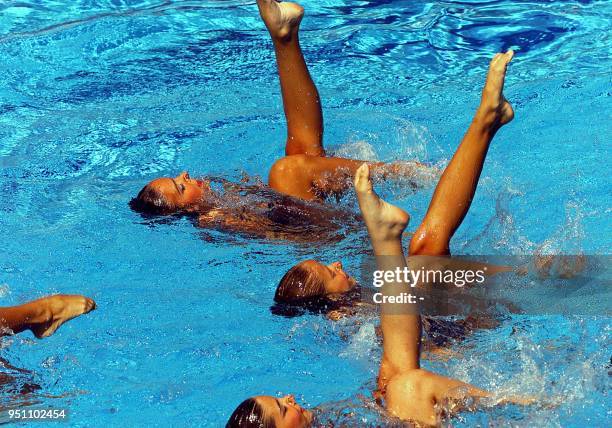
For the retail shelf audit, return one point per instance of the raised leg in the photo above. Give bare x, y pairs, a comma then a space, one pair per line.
301, 100
455, 190
401, 329
43, 316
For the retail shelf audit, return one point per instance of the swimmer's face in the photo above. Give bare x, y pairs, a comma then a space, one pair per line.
285, 412
334, 278
181, 191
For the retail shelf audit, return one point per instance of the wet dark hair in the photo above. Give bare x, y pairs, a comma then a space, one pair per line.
300, 292
151, 201
318, 305
249, 414
297, 284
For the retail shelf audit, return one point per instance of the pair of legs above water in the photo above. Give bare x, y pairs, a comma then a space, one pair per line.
305, 171
410, 392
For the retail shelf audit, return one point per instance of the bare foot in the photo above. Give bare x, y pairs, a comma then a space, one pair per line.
281, 19
385, 222
59, 309
494, 108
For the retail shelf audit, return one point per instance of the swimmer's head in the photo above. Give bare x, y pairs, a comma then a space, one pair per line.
169, 195
269, 412
312, 279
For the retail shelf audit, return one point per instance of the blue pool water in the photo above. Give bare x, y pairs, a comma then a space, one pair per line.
99, 96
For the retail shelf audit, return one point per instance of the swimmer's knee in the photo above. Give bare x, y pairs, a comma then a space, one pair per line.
425, 242
288, 172
287, 168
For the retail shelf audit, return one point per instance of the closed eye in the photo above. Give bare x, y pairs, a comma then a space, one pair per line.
179, 187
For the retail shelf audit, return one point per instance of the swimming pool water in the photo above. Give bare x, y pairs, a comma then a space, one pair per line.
98, 97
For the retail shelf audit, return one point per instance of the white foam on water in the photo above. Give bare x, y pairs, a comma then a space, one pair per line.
362, 344
501, 233
412, 140
565, 375
359, 149
569, 237
407, 141
5, 290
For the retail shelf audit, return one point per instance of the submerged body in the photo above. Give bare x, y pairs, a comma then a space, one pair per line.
260, 212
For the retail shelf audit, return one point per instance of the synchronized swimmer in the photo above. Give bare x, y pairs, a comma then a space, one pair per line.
305, 173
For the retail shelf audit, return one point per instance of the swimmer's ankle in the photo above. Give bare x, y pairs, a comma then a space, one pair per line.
37, 312
49, 313
492, 118
285, 38
486, 121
